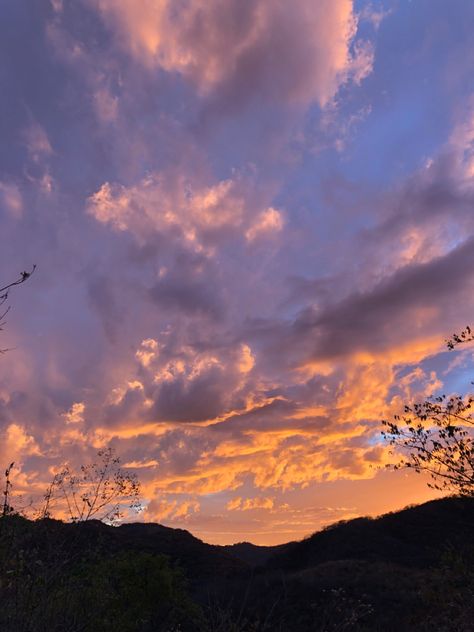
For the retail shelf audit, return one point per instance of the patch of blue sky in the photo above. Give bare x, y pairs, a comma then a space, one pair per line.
456, 374
376, 439
401, 136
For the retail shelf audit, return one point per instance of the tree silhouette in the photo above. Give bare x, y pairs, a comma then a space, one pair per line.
466, 335
436, 436
101, 490
6, 507
4, 294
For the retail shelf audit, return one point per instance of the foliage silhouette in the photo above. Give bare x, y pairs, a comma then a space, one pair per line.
52, 579
7, 508
410, 570
101, 490
436, 436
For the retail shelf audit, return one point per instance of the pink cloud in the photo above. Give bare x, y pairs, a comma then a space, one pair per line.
294, 53
198, 214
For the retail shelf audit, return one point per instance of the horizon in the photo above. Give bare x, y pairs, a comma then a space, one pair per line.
253, 233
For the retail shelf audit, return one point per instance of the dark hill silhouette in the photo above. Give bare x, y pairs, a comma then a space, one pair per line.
200, 561
415, 536
252, 554
408, 570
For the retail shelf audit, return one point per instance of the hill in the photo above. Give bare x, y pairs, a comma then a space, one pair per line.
416, 537
408, 570
252, 554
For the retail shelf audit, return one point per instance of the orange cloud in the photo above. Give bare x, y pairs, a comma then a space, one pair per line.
247, 504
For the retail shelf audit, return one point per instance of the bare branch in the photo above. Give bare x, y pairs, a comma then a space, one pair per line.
101, 490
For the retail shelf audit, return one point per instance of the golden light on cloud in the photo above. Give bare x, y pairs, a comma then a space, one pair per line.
248, 504
252, 243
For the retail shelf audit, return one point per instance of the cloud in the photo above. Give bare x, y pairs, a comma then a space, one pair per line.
410, 300
106, 105
75, 414
12, 198
245, 245
247, 504
267, 222
185, 288
180, 382
183, 208
171, 509
37, 142
294, 54
16, 443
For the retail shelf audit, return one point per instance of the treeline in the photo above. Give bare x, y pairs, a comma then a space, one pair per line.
412, 570
63, 579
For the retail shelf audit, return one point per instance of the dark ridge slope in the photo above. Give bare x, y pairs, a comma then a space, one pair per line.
199, 560
416, 536
252, 554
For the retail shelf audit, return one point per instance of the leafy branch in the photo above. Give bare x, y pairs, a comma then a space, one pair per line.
436, 436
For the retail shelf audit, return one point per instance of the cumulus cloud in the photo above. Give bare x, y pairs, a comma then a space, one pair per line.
17, 443
231, 310
268, 221
185, 288
75, 414
183, 383
295, 54
183, 207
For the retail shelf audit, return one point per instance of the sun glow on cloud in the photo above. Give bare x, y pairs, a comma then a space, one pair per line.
221, 48
251, 247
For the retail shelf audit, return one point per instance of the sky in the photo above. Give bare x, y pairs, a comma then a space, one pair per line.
253, 229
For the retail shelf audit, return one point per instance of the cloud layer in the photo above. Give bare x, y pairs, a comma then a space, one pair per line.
253, 233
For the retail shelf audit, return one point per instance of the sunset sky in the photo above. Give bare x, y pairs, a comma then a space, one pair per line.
253, 227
